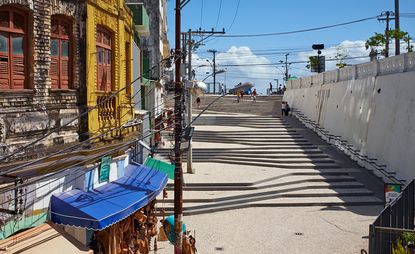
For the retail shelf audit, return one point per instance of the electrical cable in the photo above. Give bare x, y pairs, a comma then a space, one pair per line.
219, 12
107, 153
234, 17
295, 31
85, 141
69, 149
62, 171
201, 14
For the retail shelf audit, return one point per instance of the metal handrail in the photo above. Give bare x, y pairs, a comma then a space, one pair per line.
321, 131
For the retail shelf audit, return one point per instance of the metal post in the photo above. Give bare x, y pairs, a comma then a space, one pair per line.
189, 107
214, 72
318, 62
214, 68
178, 174
286, 68
397, 40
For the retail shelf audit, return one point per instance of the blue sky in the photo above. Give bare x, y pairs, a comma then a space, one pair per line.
269, 16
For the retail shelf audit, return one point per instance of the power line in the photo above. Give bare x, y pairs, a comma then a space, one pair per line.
278, 63
234, 17
77, 145
201, 14
220, 9
296, 31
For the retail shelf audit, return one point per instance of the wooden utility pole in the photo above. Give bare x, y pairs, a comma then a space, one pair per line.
190, 169
388, 18
397, 28
190, 43
178, 171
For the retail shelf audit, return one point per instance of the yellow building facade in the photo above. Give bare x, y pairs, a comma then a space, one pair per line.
108, 66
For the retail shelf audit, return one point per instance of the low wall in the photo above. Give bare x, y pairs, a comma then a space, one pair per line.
370, 107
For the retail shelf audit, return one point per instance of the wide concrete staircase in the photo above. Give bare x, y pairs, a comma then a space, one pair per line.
297, 172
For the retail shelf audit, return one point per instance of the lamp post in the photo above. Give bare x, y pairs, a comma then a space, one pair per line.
214, 68
211, 65
214, 74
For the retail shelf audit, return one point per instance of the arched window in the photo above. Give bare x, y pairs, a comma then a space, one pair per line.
104, 60
13, 48
60, 50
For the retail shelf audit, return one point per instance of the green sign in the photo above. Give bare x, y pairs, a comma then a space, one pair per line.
104, 169
161, 166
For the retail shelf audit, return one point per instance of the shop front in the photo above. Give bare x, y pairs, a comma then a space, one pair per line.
118, 217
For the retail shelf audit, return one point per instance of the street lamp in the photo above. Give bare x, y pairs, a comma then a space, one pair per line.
213, 74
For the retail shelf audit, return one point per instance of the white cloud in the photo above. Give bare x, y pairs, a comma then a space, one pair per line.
250, 69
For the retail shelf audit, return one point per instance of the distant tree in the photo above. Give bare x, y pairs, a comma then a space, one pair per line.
377, 40
380, 40
313, 61
341, 55
407, 39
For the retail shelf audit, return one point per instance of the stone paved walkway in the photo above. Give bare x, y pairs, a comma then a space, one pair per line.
268, 185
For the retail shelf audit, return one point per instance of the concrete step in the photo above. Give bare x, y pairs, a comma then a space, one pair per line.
287, 183
243, 196
278, 201
249, 135
269, 159
261, 156
300, 147
273, 164
259, 142
259, 152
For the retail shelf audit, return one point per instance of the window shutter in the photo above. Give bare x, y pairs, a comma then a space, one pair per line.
18, 74
4, 72
65, 73
54, 72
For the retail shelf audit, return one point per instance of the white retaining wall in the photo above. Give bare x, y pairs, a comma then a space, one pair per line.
371, 106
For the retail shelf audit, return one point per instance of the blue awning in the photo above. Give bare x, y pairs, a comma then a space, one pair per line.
110, 203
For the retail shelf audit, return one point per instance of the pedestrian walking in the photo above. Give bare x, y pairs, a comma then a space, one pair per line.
222, 87
287, 108
198, 102
254, 95
238, 96
283, 108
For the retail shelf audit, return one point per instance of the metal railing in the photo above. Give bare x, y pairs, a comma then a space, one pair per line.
395, 219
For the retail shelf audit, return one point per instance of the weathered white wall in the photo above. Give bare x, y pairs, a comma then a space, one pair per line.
371, 106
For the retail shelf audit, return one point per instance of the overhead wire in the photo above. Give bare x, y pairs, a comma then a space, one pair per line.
201, 14
72, 148
296, 31
9, 188
91, 138
219, 12
235, 15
